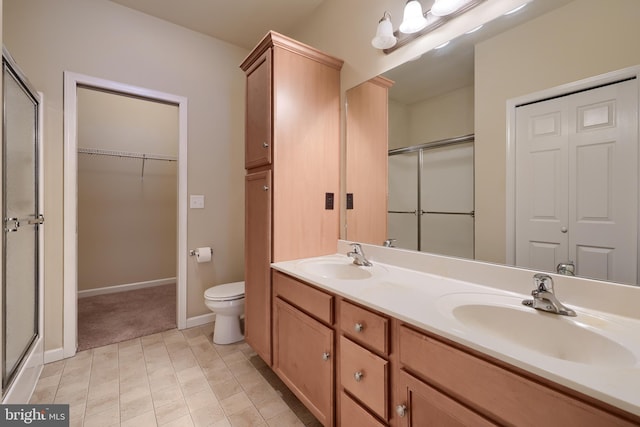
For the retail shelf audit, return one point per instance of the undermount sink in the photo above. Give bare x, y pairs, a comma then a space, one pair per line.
567, 338
338, 269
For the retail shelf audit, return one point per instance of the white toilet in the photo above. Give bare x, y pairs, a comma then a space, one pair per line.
227, 302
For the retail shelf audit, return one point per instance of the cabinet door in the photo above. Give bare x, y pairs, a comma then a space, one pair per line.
303, 358
422, 405
258, 113
257, 323
367, 148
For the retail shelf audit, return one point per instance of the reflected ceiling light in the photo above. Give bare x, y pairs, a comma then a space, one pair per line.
384, 38
516, 9
413, 19
447, 7
473, 30
442, 45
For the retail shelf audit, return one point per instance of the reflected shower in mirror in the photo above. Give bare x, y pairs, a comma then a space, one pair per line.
468, 88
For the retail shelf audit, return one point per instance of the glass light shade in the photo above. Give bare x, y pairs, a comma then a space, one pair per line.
384, 38
413, 20
447, 7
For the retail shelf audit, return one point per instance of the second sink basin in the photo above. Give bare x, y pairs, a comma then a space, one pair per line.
560, 337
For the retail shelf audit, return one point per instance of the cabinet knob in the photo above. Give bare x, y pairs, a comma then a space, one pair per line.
401, 410
358, 376
265, 145
326, 356
265, 187
564, 229
358, 327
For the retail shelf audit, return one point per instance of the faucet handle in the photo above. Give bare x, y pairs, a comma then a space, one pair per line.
389, 243
543, 282
357, 248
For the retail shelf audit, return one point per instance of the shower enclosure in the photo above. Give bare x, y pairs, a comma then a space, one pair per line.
21, 331
431, 202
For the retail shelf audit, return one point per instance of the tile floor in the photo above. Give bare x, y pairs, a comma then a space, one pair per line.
174, 378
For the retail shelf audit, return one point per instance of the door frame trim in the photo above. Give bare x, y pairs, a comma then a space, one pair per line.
584, 84
70, 222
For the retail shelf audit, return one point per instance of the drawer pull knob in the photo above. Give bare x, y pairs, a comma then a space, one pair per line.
326, 356
401, 410
265, 188
265, 145
358, 376
358, 327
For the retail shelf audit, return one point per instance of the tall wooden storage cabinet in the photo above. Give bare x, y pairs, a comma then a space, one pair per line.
367, 147
292, 156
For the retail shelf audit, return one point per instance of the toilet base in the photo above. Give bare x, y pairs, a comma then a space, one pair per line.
226, 329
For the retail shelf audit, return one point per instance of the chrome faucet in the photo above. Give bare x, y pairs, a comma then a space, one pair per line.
544, 299
358, 256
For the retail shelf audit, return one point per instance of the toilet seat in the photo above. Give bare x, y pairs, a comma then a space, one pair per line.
227, 292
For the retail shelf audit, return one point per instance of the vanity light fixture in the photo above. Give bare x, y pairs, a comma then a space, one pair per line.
384, 38
416, 23
413, 19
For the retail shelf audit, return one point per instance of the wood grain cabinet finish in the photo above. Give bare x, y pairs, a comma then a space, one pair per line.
365, 376
310, 300
365, 327
422, 405
303, 357
499, 394
257, 325
292, 134
366, 150
352, 414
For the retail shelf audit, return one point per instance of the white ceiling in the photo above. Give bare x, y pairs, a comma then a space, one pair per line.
240, 22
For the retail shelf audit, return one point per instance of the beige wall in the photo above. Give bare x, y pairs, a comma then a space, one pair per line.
102, 39
445, 116
127, 216
583, 39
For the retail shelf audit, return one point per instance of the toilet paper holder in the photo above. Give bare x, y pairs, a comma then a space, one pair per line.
192, 252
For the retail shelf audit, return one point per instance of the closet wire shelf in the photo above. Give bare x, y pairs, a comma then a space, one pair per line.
144, 157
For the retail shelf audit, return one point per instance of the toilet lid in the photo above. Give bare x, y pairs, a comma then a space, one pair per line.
226, 292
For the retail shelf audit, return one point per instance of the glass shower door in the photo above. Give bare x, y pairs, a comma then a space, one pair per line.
21, 222
402, 220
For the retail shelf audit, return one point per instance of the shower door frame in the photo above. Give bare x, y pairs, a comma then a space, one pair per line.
420, 149
21, 385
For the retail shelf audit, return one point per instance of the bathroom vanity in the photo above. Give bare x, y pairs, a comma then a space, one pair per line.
389, 345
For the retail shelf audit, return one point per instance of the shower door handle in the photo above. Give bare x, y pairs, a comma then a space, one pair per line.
37, 220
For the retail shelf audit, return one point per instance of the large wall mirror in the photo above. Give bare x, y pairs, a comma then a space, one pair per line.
451, 115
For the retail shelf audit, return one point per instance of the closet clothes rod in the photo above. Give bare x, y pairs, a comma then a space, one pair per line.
127, 154
142, 156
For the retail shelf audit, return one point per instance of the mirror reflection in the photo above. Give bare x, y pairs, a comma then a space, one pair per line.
460, 198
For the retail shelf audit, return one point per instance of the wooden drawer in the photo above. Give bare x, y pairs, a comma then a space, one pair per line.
365, 327
308, 299
352, 414
365, 376
499, 394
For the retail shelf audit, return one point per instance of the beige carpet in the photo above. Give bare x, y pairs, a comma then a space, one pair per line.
112, 318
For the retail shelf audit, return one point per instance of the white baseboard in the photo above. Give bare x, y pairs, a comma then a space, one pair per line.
200, 320
125, 287
53, 355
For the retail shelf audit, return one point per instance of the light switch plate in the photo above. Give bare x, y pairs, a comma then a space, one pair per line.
196, 201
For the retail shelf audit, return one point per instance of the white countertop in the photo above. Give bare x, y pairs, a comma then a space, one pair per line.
426, 301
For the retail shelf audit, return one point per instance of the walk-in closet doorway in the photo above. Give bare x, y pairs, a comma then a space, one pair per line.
125, 187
